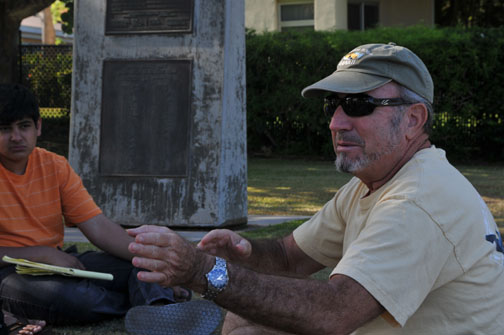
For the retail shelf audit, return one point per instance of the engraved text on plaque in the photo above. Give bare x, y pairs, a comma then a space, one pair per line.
146, 107
148, 16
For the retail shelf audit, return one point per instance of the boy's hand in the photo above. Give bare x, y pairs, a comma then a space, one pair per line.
49, 255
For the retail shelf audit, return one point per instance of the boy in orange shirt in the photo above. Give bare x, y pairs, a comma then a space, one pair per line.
40, 193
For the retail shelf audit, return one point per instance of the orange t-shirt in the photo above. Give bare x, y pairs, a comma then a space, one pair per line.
32, 206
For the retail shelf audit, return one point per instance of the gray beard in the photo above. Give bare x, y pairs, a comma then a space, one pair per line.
345, 164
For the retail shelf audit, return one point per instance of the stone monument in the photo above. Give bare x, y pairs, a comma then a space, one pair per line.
158, 122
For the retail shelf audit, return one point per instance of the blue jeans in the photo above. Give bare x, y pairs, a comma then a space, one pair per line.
63, 300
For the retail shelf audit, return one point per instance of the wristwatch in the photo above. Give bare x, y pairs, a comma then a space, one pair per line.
217, 279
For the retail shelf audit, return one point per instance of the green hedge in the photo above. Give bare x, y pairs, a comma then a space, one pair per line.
467, 67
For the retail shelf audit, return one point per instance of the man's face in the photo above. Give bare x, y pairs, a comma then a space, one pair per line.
368, 142
17, 141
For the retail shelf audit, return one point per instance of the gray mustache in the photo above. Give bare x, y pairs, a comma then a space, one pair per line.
348, 137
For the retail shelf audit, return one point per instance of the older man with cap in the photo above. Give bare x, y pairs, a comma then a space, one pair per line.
412, 246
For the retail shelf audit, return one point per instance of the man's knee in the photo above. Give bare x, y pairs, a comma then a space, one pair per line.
236, 325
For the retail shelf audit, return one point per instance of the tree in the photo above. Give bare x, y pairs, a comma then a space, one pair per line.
63, 12
469, 13
12, 12
49, 36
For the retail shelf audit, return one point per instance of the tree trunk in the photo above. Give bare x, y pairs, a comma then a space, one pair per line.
9, 46
12, 12
49, 36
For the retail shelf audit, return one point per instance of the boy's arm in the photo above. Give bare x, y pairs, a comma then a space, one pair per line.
107, 235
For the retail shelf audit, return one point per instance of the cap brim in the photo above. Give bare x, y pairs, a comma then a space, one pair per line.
345, 82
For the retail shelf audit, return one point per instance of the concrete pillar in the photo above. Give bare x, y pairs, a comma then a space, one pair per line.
158, 123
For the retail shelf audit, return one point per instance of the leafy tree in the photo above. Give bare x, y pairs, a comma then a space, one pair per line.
469, 13
63, 12
12, 12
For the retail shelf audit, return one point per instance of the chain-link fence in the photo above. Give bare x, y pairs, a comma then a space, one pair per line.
47, 71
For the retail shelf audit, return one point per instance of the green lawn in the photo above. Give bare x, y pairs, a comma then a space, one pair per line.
291, 187
299, 187
489, 181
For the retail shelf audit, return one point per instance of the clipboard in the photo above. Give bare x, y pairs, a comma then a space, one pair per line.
26, 267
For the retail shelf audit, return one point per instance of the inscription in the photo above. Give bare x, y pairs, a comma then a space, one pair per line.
146, 109
148, 16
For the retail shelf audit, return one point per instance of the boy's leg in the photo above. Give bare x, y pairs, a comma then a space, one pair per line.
58, 299
125, 279
3, 326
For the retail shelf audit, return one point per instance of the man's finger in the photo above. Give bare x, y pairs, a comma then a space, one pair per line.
154, 277
149, 264
155, 238
149, 251
147, 229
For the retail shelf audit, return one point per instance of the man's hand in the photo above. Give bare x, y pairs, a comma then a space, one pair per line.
226, 244
172, 260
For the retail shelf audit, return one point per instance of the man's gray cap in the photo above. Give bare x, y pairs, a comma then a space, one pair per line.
370, 66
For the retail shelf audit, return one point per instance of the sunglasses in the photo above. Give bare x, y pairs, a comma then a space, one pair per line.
357, 105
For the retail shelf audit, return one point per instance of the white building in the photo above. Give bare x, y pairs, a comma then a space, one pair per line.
282, 15
31, 30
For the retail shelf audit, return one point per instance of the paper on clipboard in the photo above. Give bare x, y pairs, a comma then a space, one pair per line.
27, 267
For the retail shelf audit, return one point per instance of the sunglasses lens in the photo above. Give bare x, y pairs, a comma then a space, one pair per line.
356, 108
329, 109
352, 106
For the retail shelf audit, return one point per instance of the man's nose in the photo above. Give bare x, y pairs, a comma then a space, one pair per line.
340, 121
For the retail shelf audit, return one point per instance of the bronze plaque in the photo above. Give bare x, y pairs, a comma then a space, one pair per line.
145, 119
148, 16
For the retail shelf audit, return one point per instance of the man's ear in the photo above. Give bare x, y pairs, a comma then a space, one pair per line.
417, 115
39, 126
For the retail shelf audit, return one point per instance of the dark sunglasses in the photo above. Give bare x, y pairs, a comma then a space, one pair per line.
357, 105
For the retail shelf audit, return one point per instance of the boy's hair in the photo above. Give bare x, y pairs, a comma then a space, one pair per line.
16, 103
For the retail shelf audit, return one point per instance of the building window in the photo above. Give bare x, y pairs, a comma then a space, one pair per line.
296, 16
362, 15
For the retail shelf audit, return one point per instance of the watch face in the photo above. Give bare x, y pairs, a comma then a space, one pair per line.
218, 278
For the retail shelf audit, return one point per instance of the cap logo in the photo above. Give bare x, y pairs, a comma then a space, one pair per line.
352, 57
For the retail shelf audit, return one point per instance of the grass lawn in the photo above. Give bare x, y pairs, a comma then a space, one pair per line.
291, 187
489, 181
299, 187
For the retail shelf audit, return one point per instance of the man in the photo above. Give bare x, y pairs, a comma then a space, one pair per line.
413, 247
39, 190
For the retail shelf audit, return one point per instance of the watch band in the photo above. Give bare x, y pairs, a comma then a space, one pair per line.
217, 279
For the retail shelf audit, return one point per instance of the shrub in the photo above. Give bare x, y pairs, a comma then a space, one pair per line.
467, 67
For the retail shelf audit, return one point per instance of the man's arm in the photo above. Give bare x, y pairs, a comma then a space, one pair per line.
291, 304
300, 306
107, 235
266, 256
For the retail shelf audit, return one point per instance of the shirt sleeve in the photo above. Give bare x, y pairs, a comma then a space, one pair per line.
77, 204
321, 237
397, 256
